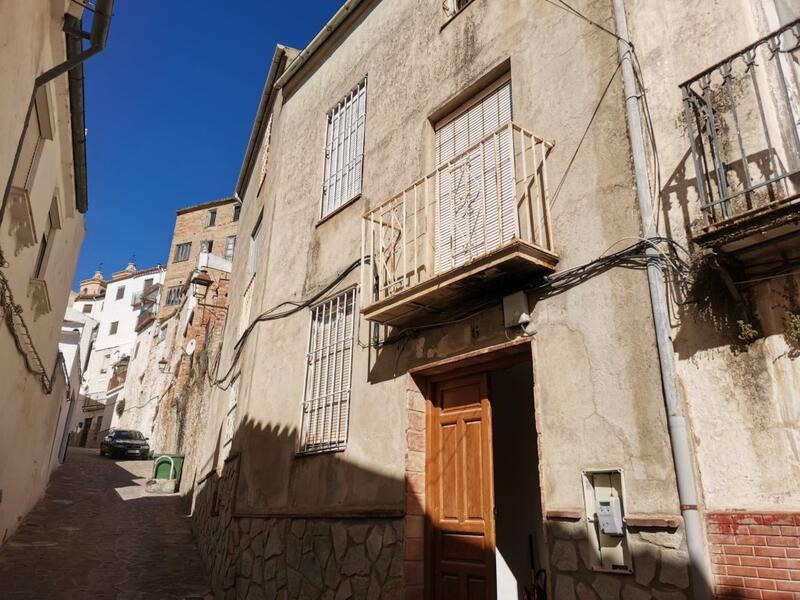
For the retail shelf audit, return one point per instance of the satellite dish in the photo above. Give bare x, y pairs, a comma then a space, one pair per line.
191, 346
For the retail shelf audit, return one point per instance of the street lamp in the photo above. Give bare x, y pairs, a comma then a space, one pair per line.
162, 365
200, 284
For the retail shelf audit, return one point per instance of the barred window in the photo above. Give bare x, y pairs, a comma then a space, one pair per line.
344, 149
326, 405
174, 295
182, 252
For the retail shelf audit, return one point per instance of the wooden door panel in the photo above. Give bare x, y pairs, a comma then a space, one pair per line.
460, 491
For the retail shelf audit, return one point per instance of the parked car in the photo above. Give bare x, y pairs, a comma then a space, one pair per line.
125, 443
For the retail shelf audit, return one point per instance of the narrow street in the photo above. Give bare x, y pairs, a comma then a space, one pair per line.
97, 534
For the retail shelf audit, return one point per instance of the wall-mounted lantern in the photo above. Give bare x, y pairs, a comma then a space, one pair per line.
200, 284
162, 365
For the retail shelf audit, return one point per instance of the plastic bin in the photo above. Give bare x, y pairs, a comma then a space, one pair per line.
162, 464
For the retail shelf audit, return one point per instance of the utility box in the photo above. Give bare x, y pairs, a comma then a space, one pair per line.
168, 466
604, 498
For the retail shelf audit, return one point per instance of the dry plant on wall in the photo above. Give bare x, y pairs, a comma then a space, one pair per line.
791, 329
717, 304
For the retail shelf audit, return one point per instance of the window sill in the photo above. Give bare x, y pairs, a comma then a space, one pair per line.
452, 17
312, 453
330, 215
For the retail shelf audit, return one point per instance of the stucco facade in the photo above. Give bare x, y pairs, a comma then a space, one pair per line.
41, 229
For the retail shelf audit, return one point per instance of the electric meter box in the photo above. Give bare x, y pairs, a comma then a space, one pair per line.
609, 516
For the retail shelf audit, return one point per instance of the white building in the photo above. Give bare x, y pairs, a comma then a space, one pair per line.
116, 305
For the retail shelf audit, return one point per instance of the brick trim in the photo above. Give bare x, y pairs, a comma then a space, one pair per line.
755, 554
414, 558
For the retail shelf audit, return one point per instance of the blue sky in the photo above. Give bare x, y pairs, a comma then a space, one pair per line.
169, 107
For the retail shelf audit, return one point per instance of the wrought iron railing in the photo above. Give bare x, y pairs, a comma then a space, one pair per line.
743, 120
489, 196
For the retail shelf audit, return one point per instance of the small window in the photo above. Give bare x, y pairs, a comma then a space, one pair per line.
147, 283
182, 252
38, 130
136, 350
237, 211
114, 327
230, 244
206, 246
344, 149
326, 405
212, 218
120, 292
255, 245
46, 243
174, 295
87, 308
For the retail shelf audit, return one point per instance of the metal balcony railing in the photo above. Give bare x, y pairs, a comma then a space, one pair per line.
743, 120
488, 197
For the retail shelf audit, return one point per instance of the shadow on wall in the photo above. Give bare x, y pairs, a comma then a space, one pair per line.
252, 547
346, 551
712, 312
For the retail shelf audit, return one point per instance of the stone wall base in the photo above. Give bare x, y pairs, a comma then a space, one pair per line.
253, 558
660, 565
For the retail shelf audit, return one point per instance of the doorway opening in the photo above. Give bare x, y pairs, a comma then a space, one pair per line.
518, 509
484, 532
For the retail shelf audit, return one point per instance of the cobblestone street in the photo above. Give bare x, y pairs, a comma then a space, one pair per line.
96, 534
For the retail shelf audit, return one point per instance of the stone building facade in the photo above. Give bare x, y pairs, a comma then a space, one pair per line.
409, 399
42, 220
210, 228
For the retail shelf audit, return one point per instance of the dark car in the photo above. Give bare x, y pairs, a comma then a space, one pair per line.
125, 443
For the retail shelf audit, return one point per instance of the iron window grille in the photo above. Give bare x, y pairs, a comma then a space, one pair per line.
344, 150
182, 252
174, 295
329, 361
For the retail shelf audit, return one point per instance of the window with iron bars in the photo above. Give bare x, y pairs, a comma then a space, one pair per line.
326, 405
344, 149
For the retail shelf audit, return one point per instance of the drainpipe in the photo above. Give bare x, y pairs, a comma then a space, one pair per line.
679, 437
76, 56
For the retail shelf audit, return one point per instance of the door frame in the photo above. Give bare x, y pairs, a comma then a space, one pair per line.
427, 377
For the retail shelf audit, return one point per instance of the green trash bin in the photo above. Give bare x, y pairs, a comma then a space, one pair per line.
164, 463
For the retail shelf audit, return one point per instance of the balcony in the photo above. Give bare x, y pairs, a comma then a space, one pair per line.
743, 121
477, 225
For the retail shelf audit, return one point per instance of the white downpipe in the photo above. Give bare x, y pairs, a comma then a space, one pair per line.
676, 424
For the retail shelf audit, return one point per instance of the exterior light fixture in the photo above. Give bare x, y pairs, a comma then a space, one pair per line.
200, 284
162, 365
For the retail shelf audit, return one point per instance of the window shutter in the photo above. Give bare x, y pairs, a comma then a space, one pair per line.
472, 210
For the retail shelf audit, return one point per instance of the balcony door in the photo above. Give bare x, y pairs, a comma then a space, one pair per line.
475, 179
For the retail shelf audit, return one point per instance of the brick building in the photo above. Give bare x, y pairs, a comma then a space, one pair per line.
208, 227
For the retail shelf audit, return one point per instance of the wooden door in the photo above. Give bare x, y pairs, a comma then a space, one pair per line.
461, 537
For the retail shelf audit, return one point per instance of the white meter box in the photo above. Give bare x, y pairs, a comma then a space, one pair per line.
604, 498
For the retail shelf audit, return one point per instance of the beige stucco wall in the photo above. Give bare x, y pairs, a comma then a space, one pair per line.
32, 41
742, 402
608, 412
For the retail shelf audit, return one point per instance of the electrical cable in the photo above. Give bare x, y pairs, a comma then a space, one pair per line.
272, 315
